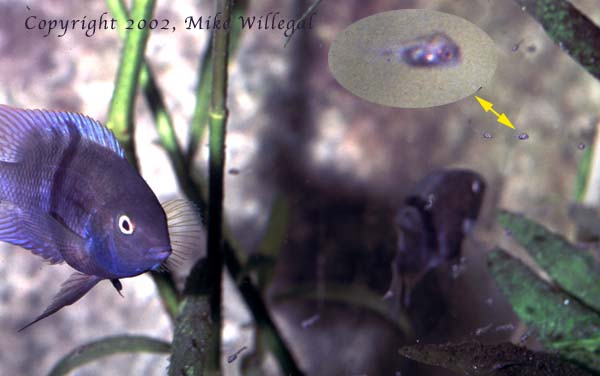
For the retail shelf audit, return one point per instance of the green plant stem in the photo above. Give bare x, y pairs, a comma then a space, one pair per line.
583, 175
216, 167
122, 106
162, 119
302, 18
105, 347
203, 90
200, 117
193, 336
588, 173
120, 116
192, 189
262, 317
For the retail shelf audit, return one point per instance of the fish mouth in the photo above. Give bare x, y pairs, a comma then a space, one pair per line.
160, 253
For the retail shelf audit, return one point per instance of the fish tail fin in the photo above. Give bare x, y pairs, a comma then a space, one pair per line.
71, 291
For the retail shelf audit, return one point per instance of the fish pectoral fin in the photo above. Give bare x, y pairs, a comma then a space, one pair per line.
36, 231
71, 291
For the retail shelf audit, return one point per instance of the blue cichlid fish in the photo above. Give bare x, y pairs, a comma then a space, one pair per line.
67, 193
432, 223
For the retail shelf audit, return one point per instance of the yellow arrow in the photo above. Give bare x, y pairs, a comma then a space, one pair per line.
502, 118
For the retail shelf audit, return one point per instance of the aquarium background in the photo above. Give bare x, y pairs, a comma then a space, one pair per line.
338, 165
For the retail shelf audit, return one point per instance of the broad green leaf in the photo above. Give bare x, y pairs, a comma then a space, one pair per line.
575, 33
574, 269
503, 359
563, 323
105, 347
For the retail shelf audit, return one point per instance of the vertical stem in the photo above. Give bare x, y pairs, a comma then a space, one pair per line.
133, 71
260, 312
216, 160
199, 119
192, 187
122, 106
588, 191
311, 9
203, 90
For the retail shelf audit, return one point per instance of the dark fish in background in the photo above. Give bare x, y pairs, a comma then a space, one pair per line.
67, 193
427, 51
432, 223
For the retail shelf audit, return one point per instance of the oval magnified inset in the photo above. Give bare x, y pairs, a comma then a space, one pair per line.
412, 58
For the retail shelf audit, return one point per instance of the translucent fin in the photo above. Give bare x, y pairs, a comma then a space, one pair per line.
185, 229
17, 126
71, 291
37, 232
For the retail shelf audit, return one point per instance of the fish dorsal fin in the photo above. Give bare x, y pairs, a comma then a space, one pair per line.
17, 125
37, 232
71, 291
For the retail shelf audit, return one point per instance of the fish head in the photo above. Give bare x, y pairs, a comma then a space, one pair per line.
129, 235
445, 51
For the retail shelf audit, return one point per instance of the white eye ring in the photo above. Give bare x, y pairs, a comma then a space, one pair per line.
126, 226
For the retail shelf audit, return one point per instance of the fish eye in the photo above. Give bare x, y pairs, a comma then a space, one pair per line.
126, 226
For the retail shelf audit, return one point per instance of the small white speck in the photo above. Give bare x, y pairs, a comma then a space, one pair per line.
310, 321
483, 329
430, 200
505, 327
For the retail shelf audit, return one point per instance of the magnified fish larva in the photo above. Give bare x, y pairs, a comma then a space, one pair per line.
427, 51
412, 58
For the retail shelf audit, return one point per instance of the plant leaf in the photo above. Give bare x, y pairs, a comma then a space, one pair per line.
105, 347
574, 269
563, 323
503, 359
573, 31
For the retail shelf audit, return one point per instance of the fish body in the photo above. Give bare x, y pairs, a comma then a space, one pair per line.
432, 223
427, 51
67, 193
